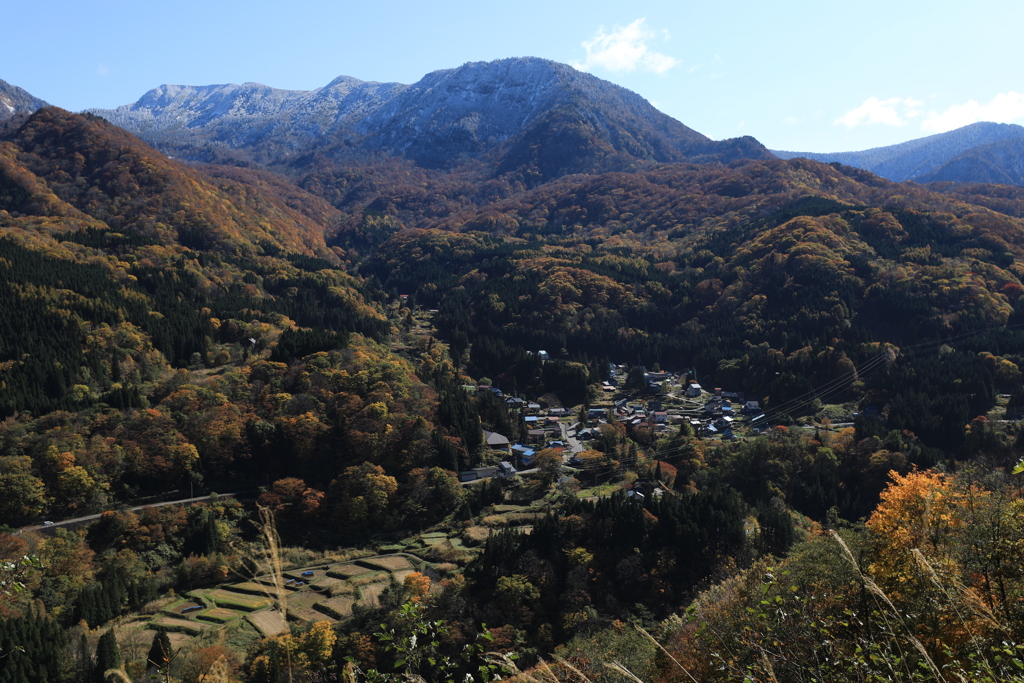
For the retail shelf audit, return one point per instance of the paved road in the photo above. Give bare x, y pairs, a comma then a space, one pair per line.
75, 521
574, 445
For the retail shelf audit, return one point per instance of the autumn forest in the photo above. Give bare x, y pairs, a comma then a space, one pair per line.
322, 355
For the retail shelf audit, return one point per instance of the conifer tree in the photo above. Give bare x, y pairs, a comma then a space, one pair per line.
160, 651
108, 655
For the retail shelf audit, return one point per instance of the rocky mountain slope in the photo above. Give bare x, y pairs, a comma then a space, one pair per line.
15, 101
209, 122
514, 113
922, 159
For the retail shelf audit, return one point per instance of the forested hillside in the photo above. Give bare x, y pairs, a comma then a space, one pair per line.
332, 351
770, 277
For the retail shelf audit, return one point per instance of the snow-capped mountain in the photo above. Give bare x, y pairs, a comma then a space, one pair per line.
928, 159
15, 101
499, 110
270, 123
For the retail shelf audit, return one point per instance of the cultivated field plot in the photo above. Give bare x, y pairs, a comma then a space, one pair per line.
300, 606
391, 563
337, 608
329, 593
345, 571
269, 622
240, 601
252, 588
173, 624
370, 577
186, 607
265, 581
512, 518
140, 639
218, 615
369, 595
333, 586
476, 534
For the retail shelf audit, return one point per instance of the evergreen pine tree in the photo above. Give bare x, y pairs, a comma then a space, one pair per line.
108, 655
160, 651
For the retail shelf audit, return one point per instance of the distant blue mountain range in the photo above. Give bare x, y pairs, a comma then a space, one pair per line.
978, 153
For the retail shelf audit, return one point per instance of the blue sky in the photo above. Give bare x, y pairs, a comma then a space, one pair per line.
800, 75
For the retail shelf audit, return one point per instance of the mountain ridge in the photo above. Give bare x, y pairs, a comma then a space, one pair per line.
15, 101
492, 111
922, 159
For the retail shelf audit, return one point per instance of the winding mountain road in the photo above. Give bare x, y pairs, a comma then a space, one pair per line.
75, 521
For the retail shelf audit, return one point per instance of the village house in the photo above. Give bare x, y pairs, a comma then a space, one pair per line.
524, 454
478, 473
496, 442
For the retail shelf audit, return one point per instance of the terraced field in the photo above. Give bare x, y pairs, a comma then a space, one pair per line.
369, 595
253, 588
391, 562
347, 571
269, 622
239, 601
319, 593
333, 586
176, 625
217, 615
336, 608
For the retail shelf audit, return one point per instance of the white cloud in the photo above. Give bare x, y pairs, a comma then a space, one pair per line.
791, 120
102, 70
625, 49
890, 112
1007, 107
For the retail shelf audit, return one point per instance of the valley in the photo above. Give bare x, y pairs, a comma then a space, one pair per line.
509, 374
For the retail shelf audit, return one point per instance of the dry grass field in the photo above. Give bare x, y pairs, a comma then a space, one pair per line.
334, 586
178, 625
269, 622
391, 563
233, 600
369, 595
349, 570
218, 615
252, 588
337, 607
